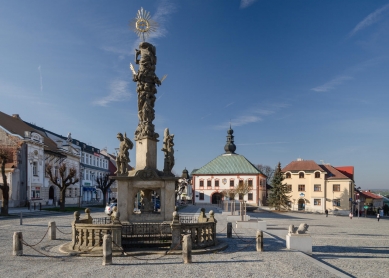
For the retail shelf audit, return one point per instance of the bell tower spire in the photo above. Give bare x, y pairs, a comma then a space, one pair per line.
230, 146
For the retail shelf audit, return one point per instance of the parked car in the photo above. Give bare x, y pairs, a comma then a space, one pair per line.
109, 208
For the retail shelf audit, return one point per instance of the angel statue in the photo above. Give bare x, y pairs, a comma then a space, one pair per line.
123, 157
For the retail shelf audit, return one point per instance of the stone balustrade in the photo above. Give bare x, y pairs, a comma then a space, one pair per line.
86, 235
203, 233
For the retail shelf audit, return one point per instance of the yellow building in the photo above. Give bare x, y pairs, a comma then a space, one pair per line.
316, 188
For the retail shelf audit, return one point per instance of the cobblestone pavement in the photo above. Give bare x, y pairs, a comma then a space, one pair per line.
341, 247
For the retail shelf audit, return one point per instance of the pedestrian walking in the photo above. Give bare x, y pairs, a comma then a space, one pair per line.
351, 215
326, 212
378, 217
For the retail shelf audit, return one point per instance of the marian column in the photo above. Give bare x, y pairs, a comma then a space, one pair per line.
145, 136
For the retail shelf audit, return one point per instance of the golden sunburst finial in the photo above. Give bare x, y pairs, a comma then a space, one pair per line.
143, 25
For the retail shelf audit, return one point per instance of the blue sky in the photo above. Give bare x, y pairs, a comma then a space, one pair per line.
296, 79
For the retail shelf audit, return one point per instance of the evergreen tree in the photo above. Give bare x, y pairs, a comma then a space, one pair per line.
279, 198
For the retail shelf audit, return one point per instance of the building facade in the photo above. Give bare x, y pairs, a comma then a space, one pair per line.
317, 188
34, 147
226, 172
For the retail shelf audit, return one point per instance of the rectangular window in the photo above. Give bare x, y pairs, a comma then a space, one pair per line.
201, 197
250, 196
35, 168
241, 197
83, 158
317, 187
231, 183
301, 187
209, 183
336, 187
240, 182
216, 183
336, 202
250, 183
317, 202
36, 193
201, 183
289, 187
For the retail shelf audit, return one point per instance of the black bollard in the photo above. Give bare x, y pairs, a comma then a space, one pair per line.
40, 206
34, 206
21, 218
229, 230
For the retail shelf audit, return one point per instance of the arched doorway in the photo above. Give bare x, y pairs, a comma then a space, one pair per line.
216, 197
51, 192
301, 204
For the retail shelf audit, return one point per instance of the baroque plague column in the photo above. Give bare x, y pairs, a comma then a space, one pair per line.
139, 188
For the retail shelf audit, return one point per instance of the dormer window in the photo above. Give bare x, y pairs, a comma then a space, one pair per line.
288, 176
317, 175
301, 175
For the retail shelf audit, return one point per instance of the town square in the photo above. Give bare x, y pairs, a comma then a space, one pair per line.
194, 138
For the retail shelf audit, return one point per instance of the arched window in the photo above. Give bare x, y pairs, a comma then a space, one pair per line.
317, 175
288, 175
301, 175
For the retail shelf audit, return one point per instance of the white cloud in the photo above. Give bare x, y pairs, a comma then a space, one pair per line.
253, 115
118, 91
239, 121
121, 52
261, 143
332, 84
369, 20
246, 3
349, 73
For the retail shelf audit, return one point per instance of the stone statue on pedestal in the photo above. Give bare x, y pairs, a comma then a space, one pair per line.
123, 156
146, 81
169, 152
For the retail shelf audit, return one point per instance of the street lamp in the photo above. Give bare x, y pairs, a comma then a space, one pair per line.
92, 175
81, 178
31, 161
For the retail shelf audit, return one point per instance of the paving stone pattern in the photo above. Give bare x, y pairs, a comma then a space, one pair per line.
356, 248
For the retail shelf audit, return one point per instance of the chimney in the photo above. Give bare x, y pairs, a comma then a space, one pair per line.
59, 144
16, 116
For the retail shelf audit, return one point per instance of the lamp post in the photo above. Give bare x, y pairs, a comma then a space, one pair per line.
30, 174
92, 175
80, 193
359, 202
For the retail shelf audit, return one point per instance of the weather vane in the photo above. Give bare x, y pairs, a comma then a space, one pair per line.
143, 25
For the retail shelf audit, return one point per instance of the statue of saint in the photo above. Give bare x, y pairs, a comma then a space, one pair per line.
147, 81
123, 157
169, 151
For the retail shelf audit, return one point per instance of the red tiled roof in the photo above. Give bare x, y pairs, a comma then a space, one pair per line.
304, 165
333, 173
370, 195
346, 170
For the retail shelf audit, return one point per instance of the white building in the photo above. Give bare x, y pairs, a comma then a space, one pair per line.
225, 172
90, 163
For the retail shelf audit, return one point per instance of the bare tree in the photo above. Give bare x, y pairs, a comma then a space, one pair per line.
230, 193
267, 171
6, 156
242, 189
104, 183
67, 176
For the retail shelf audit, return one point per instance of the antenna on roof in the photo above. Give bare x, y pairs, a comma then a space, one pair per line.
322, 161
